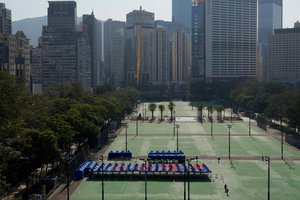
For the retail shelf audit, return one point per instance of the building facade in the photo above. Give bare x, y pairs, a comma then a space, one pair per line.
230, 35
181, 58
140, 24
66, 55
269, 18
62, 16
284, 55
118, 60
198, 41
181, 13
5, 19
112, 29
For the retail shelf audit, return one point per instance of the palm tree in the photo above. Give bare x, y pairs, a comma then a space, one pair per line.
171, 107
199, 107
161, 109
219, 110
210, 110
152, 107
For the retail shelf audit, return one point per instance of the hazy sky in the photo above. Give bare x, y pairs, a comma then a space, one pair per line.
117, 9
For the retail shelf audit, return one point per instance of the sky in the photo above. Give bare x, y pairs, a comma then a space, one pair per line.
117, 9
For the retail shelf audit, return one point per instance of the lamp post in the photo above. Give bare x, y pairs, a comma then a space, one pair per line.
281, 127
102, 177
136, 125
188, 172
231, 114
146, 170
184, 181
211, 127
177, 126
126, 126
229, 126
268, 159
174, 123
249, 123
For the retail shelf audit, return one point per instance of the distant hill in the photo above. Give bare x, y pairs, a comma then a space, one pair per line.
32, 27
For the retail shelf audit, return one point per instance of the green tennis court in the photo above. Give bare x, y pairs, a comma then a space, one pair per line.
246, 178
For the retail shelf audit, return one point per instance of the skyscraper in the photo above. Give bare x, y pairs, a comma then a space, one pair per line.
269, 18
62, 56
110, 29
284, 55
117, 54
89, 27
62, 16
198, 41
231, 33
140, 24
181, 13
181, 57
5, 19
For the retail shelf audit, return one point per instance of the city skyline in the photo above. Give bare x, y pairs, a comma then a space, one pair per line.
104, 9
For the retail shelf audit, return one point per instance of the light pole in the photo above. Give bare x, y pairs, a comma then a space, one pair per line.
281, 137
136, 125
229, 126
188, 172
231, 115
174, 125
184, 181
146, 170
102, 176
126, 126
211, 127
268, 159
249, 123
177, 126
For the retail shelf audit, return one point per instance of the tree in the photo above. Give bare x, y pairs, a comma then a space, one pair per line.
161, 109
152, 107
210, 110
171, 107
199, 107
219, 109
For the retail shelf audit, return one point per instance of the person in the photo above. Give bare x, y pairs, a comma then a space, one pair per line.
225, 187
219, 159
227, 190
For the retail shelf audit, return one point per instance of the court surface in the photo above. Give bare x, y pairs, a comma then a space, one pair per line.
246, 174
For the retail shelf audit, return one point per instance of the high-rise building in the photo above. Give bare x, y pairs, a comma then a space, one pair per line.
62, 16
84, 59
198, 41
15, 55
181, 58
63, 49
89, 26
110, 29
117, 54
181, 13
140, 24
284, 55
5, 19
159, 55
269, 18
230, 35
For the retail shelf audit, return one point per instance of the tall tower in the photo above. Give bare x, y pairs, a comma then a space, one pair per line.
62, 16
269, 18
5, 19
89, 27
181, 13
140, 24
231, 35
181, 57
198, 41
59, 44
